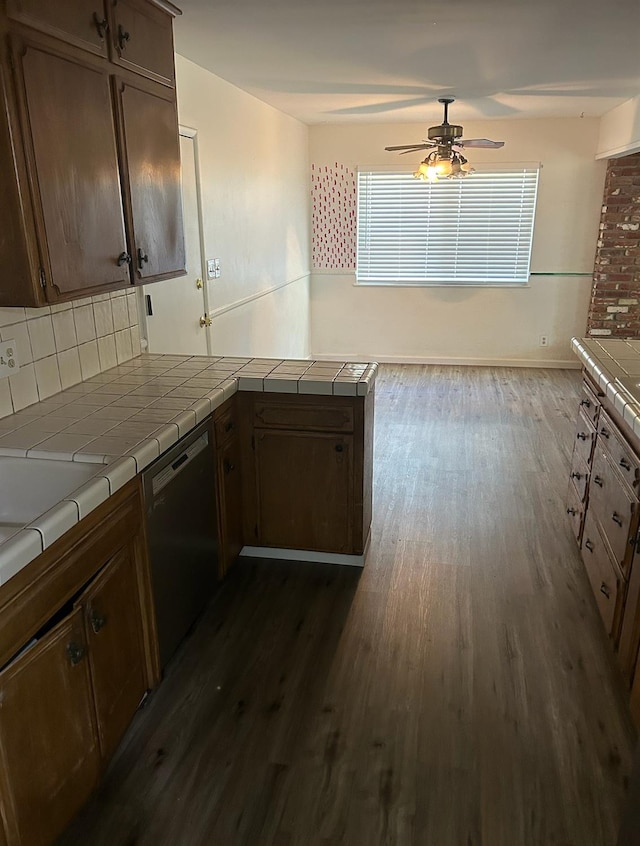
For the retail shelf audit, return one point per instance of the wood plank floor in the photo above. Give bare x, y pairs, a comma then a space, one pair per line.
458, 691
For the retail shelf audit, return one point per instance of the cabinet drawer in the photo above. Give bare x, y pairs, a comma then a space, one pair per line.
605, 582
226, 425
300, 417
575, 510
579, 475
622, 456
142, 39
590, 404
614, 506
78, 22
585, 437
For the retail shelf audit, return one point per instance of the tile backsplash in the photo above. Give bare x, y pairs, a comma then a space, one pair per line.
59, 346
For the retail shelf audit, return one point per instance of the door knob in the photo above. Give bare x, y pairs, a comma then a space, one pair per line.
199, 284
205, 320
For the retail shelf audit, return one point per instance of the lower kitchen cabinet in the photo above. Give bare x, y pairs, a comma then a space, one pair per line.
50, 759
229, 504
78, 651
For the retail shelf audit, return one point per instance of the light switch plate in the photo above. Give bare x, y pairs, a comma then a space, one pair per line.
213, 268
8, 359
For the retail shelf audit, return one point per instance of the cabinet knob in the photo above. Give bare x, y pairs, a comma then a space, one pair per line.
625, 464
598, 481
616, 518
572, 511
589, 545
339, 448
577, 476
97, 621
75, 652
605, 433
123, 36
605, 590
586, 403
143, 258
101, 24
228, 426
581, 436
124, 258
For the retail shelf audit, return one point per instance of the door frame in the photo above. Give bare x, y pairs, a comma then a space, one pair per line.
192, 133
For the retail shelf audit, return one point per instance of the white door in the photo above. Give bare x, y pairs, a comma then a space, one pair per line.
178, 304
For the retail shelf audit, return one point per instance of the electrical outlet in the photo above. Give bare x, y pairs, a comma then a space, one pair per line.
8, 359
544, 340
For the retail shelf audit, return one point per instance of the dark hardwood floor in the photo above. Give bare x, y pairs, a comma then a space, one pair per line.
459, 691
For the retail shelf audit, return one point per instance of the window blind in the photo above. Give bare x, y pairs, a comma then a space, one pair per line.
476, 230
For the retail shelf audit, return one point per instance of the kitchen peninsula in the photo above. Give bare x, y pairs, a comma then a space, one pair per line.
293, 465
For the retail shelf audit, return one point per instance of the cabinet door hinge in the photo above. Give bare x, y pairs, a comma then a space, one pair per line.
43, 278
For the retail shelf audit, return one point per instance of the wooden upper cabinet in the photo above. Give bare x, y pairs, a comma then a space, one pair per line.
151, 152
116, 655
49, 758
73, 162
142, 38
82, 23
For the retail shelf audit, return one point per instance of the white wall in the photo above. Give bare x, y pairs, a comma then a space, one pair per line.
620, 130
472, 324
254, 178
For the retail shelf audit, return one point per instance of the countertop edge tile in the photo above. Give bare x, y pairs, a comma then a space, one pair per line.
18, 551
55, 522
90, 495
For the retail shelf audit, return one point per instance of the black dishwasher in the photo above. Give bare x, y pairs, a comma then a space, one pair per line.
182, 535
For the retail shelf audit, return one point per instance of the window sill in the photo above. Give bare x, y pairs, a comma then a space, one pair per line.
358, 284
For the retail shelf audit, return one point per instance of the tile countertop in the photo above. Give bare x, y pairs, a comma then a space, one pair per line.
615, 366
123, 419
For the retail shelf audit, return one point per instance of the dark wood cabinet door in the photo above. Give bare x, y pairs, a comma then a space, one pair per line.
304, 490
114, 637
82, 23
142, 39
48, 745
229, 503
66, 108
151, 149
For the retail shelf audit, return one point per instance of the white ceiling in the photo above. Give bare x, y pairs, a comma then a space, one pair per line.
328, 61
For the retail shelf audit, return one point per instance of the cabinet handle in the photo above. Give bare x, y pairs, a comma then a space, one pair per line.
339, 448
586, 403
124, 258
589, 545
625, 464
101, 25
605, 590
228, 426
598, 481
123, 36
572, 511
228, 466
75, 652
577, 476
97, 621
143, 258
605, 433
581, 436
616, 518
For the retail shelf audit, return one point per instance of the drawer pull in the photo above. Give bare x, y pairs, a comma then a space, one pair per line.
625, 464
75, 653
572, 511
581, 436
616, 518
101, 25
228, 466
586, 403
123, 36
598, 481
577, 476
605, 590
97, 621
589, 545
605, 433
228, 426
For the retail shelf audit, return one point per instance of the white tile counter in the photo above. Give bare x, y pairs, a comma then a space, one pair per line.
124, 418
615, 366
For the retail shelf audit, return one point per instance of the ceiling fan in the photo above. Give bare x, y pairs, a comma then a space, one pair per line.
446, 145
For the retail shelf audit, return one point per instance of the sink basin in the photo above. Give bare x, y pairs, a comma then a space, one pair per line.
31, 486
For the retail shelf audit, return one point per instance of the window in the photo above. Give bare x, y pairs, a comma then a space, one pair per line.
473, 231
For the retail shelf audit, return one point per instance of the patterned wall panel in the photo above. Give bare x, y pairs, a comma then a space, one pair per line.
333, 194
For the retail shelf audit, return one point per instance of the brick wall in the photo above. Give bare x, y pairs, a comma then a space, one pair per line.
615, 299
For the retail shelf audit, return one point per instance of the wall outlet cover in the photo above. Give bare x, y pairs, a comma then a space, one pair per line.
8, 359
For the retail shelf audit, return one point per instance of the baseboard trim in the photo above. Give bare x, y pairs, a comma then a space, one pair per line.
303, 555
555, 364
217, 312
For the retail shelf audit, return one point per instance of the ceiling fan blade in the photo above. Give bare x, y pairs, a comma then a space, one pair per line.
480, 142
409, 147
